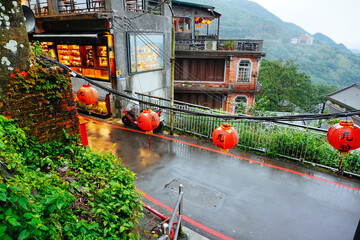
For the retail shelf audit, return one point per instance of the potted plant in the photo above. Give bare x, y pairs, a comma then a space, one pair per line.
229, 44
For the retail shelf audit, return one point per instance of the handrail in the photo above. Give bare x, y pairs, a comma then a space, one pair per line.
178, 209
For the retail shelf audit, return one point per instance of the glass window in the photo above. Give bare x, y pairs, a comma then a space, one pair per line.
244, 70
89, 57
145, 52
102, 56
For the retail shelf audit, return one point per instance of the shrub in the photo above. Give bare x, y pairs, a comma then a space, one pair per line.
60, 190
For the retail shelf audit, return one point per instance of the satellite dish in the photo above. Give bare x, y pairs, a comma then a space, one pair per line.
29, 18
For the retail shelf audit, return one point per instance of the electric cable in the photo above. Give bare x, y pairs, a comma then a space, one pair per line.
239, 117
148, 11
153, 47
179, 69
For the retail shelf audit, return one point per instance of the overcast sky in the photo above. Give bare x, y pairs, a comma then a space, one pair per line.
338, 19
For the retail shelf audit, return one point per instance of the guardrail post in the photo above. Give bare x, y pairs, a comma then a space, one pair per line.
357, 232
181, 204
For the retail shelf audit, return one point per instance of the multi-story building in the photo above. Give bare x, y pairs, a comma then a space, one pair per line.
125, 44
217, 73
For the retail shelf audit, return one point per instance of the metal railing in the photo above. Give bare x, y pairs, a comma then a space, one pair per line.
78, 6
243, 45
38, 7
305, 144
167, 227
152, 6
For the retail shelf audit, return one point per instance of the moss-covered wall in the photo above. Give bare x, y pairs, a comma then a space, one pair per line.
41, 101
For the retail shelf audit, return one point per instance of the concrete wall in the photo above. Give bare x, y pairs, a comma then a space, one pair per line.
156, 82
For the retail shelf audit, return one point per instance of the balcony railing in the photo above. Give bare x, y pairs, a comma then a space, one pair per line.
76, 6
243, 45
38, 7
151, 6
41, 7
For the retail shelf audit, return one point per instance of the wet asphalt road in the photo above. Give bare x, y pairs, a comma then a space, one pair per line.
235, 197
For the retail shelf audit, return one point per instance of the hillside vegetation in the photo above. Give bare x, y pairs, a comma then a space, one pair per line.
325, 61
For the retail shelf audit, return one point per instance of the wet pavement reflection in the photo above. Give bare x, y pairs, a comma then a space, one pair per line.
244, 199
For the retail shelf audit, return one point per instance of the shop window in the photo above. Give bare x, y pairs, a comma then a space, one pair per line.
102, 56
145, 52
49, 49
244, 70
90, 61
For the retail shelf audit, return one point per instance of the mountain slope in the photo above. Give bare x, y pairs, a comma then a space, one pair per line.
325, 61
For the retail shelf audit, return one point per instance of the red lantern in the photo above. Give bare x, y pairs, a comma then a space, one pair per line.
148, 120
225, 137
208, 22
87, 94
344, 136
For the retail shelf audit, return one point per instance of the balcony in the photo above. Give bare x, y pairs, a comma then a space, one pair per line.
43, 7
238, 45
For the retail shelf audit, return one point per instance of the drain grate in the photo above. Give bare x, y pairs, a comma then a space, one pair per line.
200, 195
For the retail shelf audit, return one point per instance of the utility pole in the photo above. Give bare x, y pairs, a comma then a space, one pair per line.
172, 60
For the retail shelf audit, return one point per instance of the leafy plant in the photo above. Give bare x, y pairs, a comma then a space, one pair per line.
61, 190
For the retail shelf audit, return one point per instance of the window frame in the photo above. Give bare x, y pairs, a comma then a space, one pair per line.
135, 57
235, 103
238, 70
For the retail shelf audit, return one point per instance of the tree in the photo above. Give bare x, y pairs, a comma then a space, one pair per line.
287, 89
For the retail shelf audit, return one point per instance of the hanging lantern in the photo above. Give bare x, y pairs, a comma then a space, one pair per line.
225, 137
344, 136
208, 22
87, 94
148, 121
203, 21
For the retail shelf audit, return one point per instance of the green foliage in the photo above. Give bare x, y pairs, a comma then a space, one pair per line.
45, 82
286, 88
94, 199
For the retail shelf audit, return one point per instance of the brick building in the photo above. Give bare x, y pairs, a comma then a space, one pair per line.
210, 71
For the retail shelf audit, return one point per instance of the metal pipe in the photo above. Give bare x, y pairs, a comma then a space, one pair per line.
176, 208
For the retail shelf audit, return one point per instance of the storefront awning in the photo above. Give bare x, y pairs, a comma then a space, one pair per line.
69, 38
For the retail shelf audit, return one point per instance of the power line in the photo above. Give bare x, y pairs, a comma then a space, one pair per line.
299, 117
178, 68
148, 11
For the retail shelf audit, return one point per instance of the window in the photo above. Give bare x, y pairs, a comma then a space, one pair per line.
145, 52
240, 105
193, 69
90, 61
183, 24
244, 70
